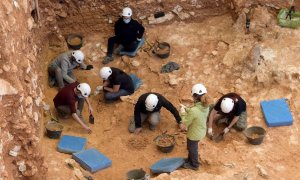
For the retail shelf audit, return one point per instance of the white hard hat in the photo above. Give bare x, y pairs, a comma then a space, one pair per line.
78, 55
199, 89
151, 102
85, 89
105, 72
227, 105
127, 12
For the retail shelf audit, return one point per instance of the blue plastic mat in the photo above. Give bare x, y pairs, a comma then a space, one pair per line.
167, 165
71, 144
92, 160
137, 82
277, 112
132, 54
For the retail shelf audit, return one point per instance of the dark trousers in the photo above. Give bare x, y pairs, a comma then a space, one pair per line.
192, 147
115, 40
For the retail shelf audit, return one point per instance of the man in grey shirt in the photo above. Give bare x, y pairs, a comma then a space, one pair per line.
60, 70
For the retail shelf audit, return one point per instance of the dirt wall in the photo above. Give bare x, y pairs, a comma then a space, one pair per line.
21, 94
98, 16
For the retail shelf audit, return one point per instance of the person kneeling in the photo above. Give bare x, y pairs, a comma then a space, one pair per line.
128, 33
116, 83
231, 110
70, 100
148, 108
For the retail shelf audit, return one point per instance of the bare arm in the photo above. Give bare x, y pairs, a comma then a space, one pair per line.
89, 105
113, 90
105, 83
212, 115
234, 120
75, 116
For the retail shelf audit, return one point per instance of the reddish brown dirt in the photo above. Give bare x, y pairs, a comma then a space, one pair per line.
192, 47
214, 52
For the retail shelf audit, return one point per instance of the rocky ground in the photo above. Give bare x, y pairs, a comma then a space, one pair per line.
262, 65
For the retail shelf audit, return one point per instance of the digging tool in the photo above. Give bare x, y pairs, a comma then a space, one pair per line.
291, 12
52, 117
37, 9
148, 49
218, 137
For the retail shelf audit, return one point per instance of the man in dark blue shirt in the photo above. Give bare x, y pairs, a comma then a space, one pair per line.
128, 33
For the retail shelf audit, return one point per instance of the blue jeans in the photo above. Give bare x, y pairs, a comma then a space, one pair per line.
116, 40
109, 96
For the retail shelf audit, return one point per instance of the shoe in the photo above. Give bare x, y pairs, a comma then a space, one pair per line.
152, 127
107, 59
189, 166
186, 160
51, 82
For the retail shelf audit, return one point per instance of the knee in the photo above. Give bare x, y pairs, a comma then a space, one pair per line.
107, 96
57, 70
154, 119
111, 39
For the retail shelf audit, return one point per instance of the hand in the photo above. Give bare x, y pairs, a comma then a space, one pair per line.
182, 110
182, 127
89, 67
226, 130
139, 39
99, 88
181, 105
88, 130
137, 130
210, 132
91, 110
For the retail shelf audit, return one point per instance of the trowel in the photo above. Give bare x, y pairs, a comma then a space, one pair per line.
218, 137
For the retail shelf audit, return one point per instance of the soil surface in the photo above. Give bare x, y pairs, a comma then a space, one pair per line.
209, 52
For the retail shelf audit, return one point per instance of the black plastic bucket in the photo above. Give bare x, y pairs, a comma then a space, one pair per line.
74, 41
136, 174
168, 148
165, 47
53, 130
259, 133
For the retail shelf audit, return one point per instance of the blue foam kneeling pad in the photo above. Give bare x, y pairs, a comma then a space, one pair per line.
71, 144
277, 112
167, 165
137, 82
92, 160
133, 53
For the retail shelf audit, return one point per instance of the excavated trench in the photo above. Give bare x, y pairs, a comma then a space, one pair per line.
208, 40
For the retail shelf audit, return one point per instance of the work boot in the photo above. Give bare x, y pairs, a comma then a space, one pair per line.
107, 59
51, 81
189, 166
152, 127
